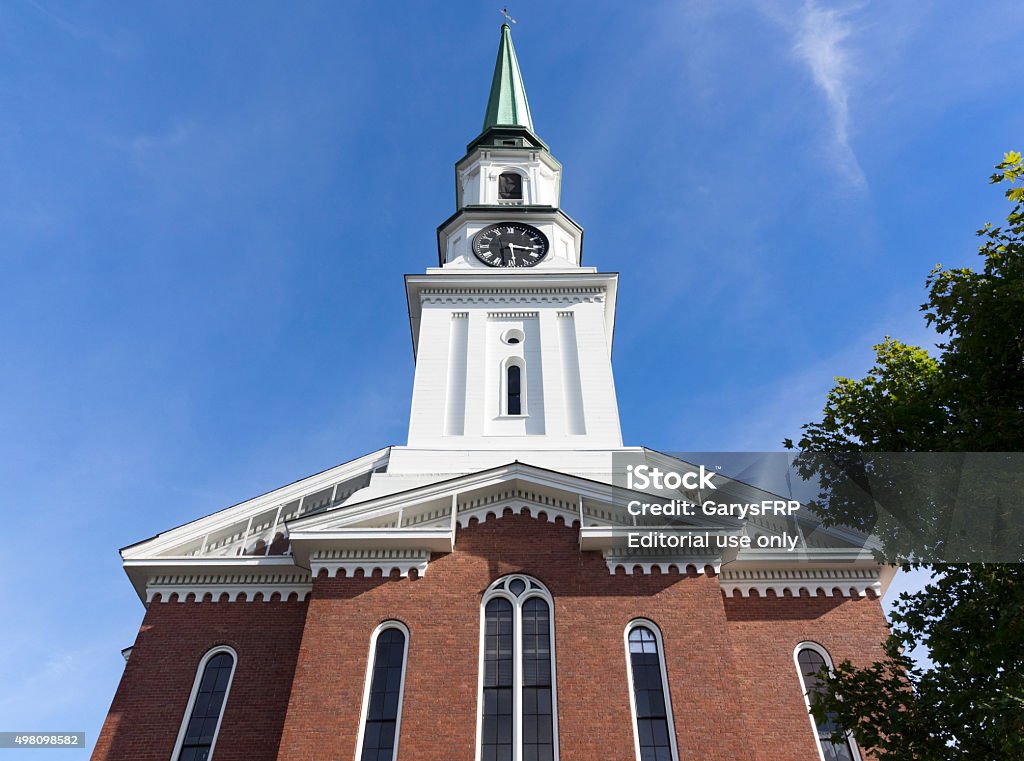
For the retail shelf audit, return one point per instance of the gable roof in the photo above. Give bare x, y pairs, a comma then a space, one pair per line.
286, 536
235, 530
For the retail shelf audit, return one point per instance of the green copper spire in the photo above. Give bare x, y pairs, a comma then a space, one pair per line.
507, 106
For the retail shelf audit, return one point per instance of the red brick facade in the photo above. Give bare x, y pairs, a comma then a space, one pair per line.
150, 702
298, 687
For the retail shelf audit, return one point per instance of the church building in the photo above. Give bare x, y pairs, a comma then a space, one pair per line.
477, 594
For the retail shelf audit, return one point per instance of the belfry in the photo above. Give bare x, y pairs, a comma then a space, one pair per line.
473, 595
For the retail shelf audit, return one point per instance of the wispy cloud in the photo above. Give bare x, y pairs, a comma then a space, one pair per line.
68, 27
821, 38
117, 43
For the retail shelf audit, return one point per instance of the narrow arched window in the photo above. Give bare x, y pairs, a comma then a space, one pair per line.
382, 696
198, 734
538, 740
510, 186
811, 660
518, 717
654, 733
514, 390
499, 682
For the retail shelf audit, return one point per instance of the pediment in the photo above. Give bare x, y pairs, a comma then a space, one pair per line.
487, 494
427, 518
321, 523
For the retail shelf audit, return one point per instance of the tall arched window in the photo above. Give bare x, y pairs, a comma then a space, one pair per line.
510, 186
198, 734
514, 390
811, 659
654, 733
518, 705
382, 694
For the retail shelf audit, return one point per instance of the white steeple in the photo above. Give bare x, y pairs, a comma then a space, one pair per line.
512, 336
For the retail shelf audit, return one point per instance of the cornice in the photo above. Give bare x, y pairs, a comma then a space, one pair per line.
372, 538
240, 577
502, 296
640, 563
406, 563
293, 587
518, 503
307, 546
512, 153
560, 289
533, 290
485, 211
527, 477
843, 582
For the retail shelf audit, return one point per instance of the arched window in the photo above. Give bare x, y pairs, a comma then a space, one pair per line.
382, 694
654, 733
518, 707
811, 659
514, 390
510, 186
198, 734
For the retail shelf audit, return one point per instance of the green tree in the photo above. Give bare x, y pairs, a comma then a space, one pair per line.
968, 702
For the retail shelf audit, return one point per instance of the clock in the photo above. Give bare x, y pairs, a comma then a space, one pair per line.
510, 244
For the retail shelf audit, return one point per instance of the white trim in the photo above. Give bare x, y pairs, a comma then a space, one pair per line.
369, 561
542, 593
519, 506
513, 361
681, 564
515, 290
195, 530
237, 588
467, 485
648, 624
370, 662
226, 574
516, 333
851, 581
820, 650
195, 690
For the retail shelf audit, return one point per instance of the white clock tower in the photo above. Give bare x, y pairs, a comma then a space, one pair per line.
512, 335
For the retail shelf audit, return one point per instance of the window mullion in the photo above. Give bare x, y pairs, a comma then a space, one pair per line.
517, 681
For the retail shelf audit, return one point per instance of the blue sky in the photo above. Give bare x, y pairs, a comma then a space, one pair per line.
206, 211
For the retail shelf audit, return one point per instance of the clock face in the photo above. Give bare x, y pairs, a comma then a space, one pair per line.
510, 244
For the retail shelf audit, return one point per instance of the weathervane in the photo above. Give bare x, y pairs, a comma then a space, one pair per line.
507, 15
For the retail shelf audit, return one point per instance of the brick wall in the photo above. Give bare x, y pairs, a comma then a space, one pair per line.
718, 689
150, 701
734, 689
764, 631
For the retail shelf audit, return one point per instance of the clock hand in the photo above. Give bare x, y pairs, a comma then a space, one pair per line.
512, 250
